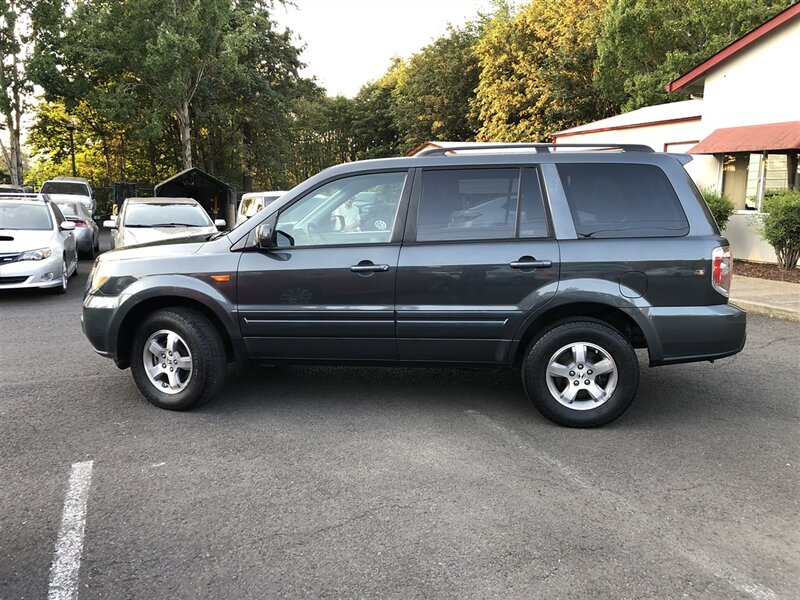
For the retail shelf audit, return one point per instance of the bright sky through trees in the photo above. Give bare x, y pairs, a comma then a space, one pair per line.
350, 42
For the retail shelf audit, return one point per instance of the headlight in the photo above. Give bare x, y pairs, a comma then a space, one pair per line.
39, 254
103, 281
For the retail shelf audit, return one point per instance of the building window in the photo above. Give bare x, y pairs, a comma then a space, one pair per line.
747, 178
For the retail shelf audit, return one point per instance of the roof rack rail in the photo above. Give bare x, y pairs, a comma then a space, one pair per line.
543, 148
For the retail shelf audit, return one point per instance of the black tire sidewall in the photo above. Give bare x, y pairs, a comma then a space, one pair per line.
534, 373
208, 357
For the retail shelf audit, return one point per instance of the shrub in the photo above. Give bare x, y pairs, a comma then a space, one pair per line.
719, 205
782, 227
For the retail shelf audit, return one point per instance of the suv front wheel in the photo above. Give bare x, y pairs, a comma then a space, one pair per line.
581, 374
177, 358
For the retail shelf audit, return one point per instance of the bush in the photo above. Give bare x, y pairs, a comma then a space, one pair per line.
719, 205
782, 227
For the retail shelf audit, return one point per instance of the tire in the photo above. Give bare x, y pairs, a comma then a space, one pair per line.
62, 289
192, 381
551, 369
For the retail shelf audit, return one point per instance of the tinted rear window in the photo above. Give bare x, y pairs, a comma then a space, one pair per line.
622, 200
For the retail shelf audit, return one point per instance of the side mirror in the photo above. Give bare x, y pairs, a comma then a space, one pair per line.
264, 236
337, 223
67, 226
110, 224
220, 224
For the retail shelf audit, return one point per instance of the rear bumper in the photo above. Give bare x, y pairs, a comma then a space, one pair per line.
696, 333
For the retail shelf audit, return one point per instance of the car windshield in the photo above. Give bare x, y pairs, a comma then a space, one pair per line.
64, 187
250, 206
166, 215
31, 217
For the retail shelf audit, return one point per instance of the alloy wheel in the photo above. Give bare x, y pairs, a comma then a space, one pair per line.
167, 361
581, 376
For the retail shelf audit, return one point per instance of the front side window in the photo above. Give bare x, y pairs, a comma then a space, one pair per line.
622, 201
361, 209
468, 204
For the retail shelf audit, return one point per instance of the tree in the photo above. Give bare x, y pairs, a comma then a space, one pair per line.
14, 81
645, 45
536, 71
435, 89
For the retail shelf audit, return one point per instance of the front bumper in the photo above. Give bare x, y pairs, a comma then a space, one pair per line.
696, 333
23, 274
96, 320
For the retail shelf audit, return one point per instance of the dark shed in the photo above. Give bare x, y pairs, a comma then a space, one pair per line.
216, 196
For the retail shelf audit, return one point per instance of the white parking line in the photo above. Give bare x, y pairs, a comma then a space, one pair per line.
69, 545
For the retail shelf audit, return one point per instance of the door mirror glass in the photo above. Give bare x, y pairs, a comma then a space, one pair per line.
264, 236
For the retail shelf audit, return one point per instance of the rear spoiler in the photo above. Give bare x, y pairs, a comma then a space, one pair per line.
684, 159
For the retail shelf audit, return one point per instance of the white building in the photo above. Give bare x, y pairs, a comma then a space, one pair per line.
743, 125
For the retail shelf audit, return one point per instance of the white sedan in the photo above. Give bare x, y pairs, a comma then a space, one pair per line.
143, 220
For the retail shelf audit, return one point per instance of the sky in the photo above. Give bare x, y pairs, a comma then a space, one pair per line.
351, 42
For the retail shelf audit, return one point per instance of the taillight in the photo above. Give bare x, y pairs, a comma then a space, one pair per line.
79, 223
722, 269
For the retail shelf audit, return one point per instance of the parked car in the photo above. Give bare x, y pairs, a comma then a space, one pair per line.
603, 252
87, 233
144, 220
10, 188
70, 189
252, 202
37, 247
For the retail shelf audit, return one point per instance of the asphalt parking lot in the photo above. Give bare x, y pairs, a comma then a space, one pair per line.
393, 483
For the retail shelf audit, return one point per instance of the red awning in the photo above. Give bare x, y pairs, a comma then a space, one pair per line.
753, 138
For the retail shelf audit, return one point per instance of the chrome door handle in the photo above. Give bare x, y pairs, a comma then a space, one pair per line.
369, 268
530, 264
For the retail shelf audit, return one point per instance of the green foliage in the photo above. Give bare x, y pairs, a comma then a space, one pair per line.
435, 89
536, 71
719, 205
154, 84
781, 227
645, 45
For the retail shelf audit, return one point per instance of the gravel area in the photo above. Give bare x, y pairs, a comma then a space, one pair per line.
765, 271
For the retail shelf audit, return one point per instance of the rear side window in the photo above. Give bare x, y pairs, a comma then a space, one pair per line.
622, 201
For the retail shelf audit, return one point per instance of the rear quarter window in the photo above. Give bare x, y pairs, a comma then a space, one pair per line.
622, 201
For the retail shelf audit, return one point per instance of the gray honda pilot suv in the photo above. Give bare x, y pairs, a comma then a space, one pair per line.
561, 263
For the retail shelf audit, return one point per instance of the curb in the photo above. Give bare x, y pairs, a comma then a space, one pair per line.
768, 310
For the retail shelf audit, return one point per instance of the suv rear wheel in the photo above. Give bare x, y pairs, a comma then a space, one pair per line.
581, 374
177, 358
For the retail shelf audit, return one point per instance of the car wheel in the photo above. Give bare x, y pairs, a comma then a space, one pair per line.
177, 358
581, 374
62, 289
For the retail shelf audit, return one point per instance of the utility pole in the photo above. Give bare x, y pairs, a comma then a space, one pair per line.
71, 129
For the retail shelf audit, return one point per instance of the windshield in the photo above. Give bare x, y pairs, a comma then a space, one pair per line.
166, 215
250, 206
30, 217
64, 187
